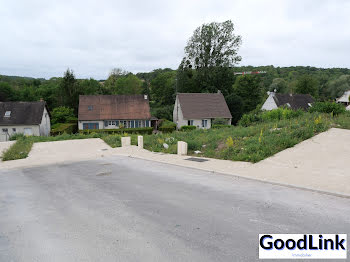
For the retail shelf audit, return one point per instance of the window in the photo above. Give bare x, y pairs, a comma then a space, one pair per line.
132, 124
90, 108
7, 114
190, 122
147, 123
136, 123
5, 130
204, 123
90, 126
14, 130
117, 122
106, 123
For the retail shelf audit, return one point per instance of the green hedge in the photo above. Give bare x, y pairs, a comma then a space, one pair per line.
166, 129
187, 128
327, 107
140, 130
68, 128
220, 126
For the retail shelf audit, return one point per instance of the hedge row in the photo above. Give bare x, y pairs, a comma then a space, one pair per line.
187, 128
166, 129
220, 126
68, 128
140, 130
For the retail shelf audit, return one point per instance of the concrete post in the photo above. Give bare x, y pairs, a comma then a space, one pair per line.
140, 142
181, 148
126, 141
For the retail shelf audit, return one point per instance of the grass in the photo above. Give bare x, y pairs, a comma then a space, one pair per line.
18, 150
252, 143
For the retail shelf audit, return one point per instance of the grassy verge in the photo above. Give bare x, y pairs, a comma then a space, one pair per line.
20, 149
253, 143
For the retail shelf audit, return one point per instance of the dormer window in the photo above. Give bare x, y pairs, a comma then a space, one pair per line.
7, 114
90, 108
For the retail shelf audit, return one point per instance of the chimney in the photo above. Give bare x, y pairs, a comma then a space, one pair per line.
145, 97
219, 91
41, 99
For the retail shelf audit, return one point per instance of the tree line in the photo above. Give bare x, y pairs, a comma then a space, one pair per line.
210, 61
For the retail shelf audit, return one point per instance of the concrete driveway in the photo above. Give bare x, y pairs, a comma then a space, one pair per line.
125, 209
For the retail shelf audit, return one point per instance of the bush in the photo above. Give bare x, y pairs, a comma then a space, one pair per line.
219, 121
140, 130
16, 136
167, 126
20, 149
61, 114
220, 126
166, 129
249, 119
280, 114
68, 128
187, 128
327, 107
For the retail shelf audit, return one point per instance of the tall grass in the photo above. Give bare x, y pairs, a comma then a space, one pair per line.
20, 149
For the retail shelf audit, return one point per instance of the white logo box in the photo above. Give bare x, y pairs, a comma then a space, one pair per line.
333, 242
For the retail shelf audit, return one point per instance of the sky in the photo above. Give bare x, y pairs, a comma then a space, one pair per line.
42, 38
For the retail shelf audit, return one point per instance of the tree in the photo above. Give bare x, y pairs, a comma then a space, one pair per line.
61, 114
307, 84
336, 88
6, 92
163, 88
69, 90
235, 105
248, 89
280, 85
211, 51
128, 85
114, 75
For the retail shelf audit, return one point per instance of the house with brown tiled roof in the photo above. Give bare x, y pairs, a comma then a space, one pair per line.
113, 111
200, 109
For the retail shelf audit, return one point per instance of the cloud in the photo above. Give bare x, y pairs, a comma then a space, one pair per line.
42, 38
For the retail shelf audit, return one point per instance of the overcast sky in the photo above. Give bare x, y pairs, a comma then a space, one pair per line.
42, 38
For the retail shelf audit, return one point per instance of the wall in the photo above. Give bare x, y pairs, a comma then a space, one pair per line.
269, 103
19, 130
45, 125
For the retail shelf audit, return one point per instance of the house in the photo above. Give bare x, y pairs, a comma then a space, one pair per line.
292, 101
28, 118
200, 109
344, 99
114, 111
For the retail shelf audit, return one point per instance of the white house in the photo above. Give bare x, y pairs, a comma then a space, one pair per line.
344, 99
292, 101
200, 109
28, 118
114, 111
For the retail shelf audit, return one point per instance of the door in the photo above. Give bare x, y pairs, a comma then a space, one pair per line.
28, 131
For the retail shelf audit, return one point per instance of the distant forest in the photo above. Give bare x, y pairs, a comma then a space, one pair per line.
242, 93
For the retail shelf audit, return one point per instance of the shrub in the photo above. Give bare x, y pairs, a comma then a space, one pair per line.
280, 114
20, 149
166, 126
166, 129
68, 128
61, 114
140, 130
187, 128
16, 136
327, 107
220, 126
219, 121
249, 119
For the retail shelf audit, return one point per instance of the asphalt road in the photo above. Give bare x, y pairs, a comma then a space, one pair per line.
124, 209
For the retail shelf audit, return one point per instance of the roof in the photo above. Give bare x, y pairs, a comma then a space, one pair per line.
22, 113
295, 101
203, 105
344, 98
108, 107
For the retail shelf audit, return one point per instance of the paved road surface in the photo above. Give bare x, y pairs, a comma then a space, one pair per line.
125, 209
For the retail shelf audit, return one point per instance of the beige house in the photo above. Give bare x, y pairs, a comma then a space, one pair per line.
114, 111
200, 109
28, 118
344, 99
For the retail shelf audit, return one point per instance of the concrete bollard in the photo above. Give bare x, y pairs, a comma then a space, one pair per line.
181, 148
140, 142
126, 141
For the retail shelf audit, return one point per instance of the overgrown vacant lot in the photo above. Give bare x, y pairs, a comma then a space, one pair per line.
253, 143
